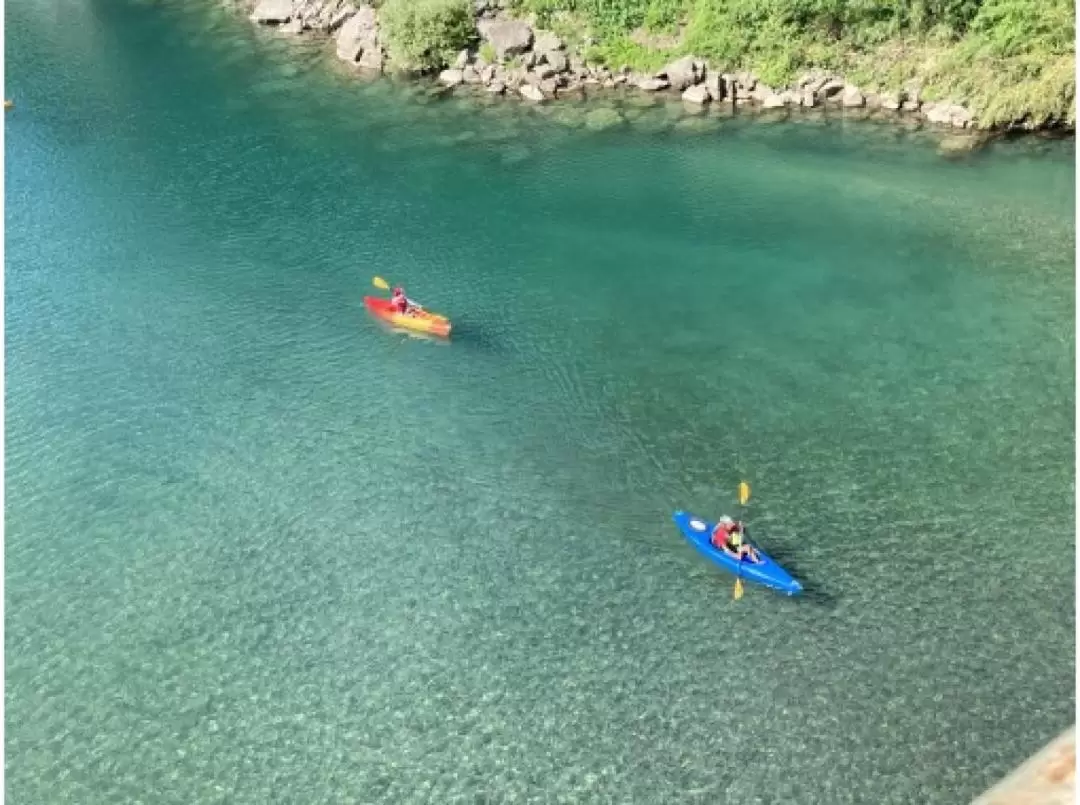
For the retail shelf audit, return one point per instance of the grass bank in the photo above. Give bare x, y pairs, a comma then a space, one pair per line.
1011, 62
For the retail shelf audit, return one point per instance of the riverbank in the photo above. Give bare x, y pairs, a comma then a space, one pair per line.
484, 47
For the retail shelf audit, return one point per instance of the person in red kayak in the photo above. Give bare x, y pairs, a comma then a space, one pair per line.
399, 301
728, 537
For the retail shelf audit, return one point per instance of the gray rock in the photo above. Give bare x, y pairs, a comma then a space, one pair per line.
558, 61
358, 39
508, 37
698, 94
830, 90
272, 11
496, 87
451, 78
762, 92
293, 27
531, 93
910, 105
461, 60
714, 82
814, 83
487, 73
652, 84
890, 100
549, 86
340, 17
947, 114
530, 59
745, 80
546, 42
544, 71
682, 73
853, 98
807, 99
773, 101
471, 75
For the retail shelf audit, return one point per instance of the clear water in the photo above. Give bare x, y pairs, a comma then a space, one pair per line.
260, 550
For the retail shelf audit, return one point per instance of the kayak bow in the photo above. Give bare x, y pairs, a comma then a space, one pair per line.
767, 573
420, 321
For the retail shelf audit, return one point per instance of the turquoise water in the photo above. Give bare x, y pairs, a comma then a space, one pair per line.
259, 549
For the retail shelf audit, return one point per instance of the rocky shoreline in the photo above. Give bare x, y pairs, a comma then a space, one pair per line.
512, 57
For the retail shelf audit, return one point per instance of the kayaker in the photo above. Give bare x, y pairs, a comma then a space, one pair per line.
400, 301
728, 537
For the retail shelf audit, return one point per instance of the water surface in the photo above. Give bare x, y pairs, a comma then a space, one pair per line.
260, 550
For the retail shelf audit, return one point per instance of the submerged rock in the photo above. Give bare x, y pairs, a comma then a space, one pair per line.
602, 118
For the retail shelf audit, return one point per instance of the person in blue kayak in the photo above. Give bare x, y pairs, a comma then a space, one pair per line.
728, 537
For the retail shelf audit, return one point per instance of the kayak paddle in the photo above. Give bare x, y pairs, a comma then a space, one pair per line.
744, 495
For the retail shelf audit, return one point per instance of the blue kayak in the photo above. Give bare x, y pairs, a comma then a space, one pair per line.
766, 572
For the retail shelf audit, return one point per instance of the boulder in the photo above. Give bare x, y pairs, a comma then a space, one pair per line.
698, 94
830, 90
745, 80
531, 93
557, 60
461, 60
947, 114
451, 78
549, 86
487, 73
890, 100
714, 82
471, 75
358, 39
853, 98
773, 101
652, 84
496, 88
293, 27
762, 92
807, 99
682, 73
544, 71
507, 37
546, 42
340, 17
911, 105
272, 12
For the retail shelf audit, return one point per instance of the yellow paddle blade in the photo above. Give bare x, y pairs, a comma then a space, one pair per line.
738, 589
744, 493
379, 282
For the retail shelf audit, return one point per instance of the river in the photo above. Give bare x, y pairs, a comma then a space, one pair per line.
261, 550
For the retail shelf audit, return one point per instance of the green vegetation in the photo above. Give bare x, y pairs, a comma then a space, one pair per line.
1008, 60
426, 34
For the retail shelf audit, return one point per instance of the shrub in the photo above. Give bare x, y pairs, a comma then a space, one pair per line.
426, 34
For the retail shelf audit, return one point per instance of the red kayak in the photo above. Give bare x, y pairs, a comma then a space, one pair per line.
420, 320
